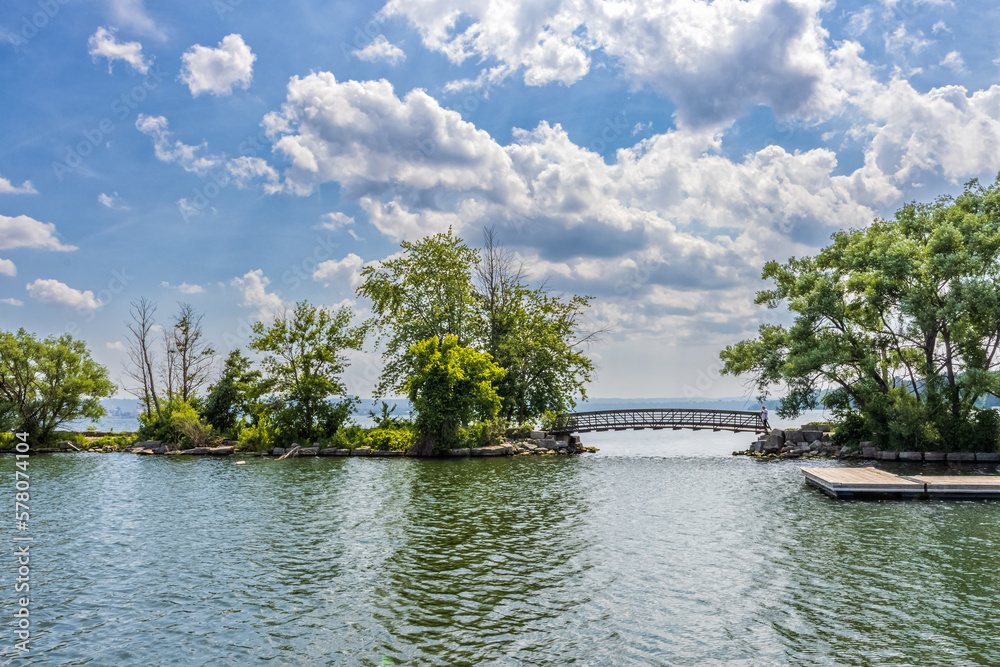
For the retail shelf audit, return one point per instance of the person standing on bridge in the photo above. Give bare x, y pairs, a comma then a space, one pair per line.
763, 418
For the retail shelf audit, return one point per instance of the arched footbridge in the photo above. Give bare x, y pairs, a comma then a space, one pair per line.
659, 418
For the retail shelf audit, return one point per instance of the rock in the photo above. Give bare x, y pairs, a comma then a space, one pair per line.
393, 453
887, 456
794, 454
341, 452
987, 457
328, 451
195, 451
809, 436
826, 437
793, 436
224, 450
530, 446
774, 443
868, 451
309, 451
549, 443
278, 451
162, 449
961, 457
378, 452
142, 450
935, 456
911, 456
537, 435
361, 451
844, 452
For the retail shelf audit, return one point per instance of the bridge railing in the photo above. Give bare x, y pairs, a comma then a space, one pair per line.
659, 418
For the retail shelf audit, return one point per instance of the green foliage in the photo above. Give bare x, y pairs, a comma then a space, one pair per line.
389, 438
551, 420
450, 386
897, 322
303, 365
481, 434
7, 440
425, 293
117, 441
46, 383
237, 398
257, 436
178, 421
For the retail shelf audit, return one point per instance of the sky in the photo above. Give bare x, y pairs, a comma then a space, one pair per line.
242, 155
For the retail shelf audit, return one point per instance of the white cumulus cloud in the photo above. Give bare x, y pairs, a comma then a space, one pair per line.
25, 232
25, 188
12, 302
219, 70
103, 44
380, 49
7, 268
253, 288
55, 293
184, 288
346, 271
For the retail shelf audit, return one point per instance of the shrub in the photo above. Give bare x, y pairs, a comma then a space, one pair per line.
7, 440
257, 437
551, 420
178, 421
396, 439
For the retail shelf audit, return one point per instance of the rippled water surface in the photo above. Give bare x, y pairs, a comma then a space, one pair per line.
662, 549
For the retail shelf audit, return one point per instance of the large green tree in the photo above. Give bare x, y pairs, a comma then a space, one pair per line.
46, 383
896, 326
304, 363
424, 293
449, 387
237, 398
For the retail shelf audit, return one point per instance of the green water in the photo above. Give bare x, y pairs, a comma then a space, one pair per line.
652, 552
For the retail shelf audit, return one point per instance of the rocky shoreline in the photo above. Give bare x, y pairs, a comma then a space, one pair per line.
813, 443
538, 443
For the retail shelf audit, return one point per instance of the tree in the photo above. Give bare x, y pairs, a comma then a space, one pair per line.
449, 387
305, 363
425, 293
141, 361
535, 336
897, 326
237, 396
189, 358
46, 383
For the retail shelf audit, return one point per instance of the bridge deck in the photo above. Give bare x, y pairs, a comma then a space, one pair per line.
660, 418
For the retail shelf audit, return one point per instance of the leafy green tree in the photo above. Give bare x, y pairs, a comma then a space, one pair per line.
237, 398
897, 326
426, 292
304, 363
449, 387
46, 383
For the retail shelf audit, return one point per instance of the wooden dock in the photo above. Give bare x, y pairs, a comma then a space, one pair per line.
851, 482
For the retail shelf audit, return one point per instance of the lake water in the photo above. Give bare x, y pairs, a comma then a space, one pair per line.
661, 549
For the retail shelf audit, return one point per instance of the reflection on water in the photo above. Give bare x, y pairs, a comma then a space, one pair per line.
662, 549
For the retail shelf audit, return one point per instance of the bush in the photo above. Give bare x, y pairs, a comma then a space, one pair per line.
257, 437
395, 439
7, 440
986, 430
178, 421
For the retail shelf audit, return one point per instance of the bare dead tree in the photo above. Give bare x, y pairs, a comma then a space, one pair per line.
191, 356
140, 365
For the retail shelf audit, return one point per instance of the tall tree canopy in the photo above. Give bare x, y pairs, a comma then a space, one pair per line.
304, 365
46, 383
896, 327
424, 293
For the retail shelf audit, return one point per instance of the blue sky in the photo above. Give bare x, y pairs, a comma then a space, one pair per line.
243, 155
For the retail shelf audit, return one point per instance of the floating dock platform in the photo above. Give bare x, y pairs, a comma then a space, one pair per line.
851, 482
